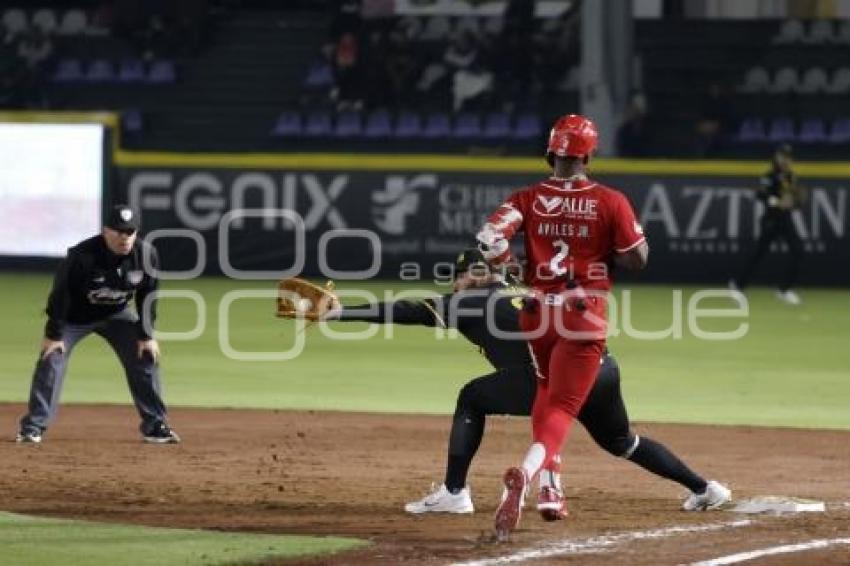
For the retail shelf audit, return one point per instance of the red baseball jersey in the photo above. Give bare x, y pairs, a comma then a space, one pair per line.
572, 228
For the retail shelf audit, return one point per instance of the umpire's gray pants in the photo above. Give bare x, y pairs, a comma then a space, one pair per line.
142, 373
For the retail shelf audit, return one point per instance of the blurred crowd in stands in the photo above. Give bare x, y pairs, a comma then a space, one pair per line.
24, 56
35, 44
713, 123
726, 88
481, 78
161, 28
440, 62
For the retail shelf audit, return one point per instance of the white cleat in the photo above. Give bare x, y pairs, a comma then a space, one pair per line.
28, 437
715, 495
789, 297
441, 500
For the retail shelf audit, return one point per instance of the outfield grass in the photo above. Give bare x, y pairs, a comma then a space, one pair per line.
37, 541
790, 369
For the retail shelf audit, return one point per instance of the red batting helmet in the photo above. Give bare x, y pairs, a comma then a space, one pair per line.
572, 136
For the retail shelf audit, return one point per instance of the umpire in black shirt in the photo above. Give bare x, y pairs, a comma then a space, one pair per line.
780, 194
91, 293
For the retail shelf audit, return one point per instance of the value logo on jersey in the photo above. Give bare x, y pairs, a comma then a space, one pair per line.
548, 207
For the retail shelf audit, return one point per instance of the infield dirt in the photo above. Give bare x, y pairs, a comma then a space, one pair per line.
350, 474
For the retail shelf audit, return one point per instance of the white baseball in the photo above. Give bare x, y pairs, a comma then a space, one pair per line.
303, 305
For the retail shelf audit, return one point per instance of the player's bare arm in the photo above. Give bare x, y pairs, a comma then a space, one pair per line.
634, 259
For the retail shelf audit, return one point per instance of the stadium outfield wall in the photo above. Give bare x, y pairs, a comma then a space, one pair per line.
700, 217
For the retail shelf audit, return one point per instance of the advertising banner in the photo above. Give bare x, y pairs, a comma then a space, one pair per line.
269, 222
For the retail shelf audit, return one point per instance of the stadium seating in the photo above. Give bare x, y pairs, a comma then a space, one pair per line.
348, 124
791, 80
320, 75
437, 125
15, 20
840, 132
814, 81
70, 23
812, 131
378, 124
467, 125
104, 71
45, 20
756, 80
781, 130
68, 71
752, 130
820, 32
460, 104
131, 71
318, 124
289, 124
74, 22
791, 31
781, 80
408, 125
528, 126
497, 125
786, 80
162, 72
100, 71
840, 81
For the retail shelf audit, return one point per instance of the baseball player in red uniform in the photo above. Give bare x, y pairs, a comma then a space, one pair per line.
575, 230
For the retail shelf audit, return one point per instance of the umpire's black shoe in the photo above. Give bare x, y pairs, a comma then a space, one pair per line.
162, 434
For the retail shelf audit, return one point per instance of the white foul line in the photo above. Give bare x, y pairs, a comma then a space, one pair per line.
788, 548
598, 543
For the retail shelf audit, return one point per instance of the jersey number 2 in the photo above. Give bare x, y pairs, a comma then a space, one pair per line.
557, 264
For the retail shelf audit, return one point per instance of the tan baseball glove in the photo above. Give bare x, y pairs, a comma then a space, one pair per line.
298, 298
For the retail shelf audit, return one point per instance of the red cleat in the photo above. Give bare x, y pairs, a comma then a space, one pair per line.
551, 504
508, 513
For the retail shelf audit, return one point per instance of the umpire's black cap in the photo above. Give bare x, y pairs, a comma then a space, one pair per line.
468, 258
122, 218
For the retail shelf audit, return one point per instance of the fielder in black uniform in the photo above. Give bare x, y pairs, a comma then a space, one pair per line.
780, 194
511, 387
91, 293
